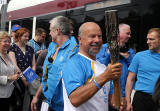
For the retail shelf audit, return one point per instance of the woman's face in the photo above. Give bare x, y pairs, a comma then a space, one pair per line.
25, 37
5, 44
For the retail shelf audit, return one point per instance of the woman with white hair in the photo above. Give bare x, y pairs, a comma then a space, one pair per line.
7, 72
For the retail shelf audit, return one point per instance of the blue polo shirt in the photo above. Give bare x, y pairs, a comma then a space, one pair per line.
51, 46
51, 79
77, 72
146, 65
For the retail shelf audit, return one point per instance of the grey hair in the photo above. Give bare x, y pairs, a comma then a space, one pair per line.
122, 25
62, 23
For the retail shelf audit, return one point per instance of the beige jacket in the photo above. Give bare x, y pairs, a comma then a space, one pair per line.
5, 88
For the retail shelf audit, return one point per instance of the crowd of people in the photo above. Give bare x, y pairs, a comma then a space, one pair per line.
77, 76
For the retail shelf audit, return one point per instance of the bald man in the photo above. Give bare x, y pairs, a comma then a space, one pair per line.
86, 81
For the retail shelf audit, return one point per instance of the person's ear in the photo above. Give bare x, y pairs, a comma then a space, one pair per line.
79, 39
58, 31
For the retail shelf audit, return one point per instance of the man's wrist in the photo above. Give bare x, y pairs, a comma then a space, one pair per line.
35, 96
128, 100
97, 85
8, 78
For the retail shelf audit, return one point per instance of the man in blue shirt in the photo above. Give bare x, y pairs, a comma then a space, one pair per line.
86, 81
38, 42
126, 55
63, 47
145, 65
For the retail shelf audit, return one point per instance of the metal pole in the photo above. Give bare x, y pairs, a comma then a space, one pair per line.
9, 28
3, 17
34, 27
3, 14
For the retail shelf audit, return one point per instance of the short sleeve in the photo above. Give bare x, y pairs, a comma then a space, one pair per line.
73, 76
134, 64
12, 48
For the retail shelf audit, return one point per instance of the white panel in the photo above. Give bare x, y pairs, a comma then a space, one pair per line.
19, 4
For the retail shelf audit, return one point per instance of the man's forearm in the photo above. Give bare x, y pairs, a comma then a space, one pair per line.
84, 93
39, 91
128, 89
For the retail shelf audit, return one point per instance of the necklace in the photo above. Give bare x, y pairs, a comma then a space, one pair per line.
5, 57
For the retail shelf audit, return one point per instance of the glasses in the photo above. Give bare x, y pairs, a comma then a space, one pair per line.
6, 41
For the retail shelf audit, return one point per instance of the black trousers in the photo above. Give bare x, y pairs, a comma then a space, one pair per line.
143, 102
5, 103
50, 109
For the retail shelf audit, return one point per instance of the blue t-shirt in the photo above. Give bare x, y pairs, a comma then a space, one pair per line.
79, 71
146, 65
36, 46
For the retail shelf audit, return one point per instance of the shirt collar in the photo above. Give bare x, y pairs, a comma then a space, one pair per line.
68, 41
86, 57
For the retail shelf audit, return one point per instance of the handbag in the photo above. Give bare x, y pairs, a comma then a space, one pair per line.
17, 95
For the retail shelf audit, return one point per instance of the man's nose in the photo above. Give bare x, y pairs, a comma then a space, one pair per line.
129, 36
97, 38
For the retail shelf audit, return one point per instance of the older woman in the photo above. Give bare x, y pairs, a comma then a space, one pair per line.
22, 56
7, 72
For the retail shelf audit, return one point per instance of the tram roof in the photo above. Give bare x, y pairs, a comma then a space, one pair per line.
18, 9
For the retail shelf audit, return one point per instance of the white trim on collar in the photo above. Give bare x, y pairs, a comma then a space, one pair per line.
86, 57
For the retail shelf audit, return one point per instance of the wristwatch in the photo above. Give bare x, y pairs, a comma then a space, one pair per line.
8, 78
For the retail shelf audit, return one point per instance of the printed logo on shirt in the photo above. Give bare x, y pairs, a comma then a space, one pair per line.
104, 94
